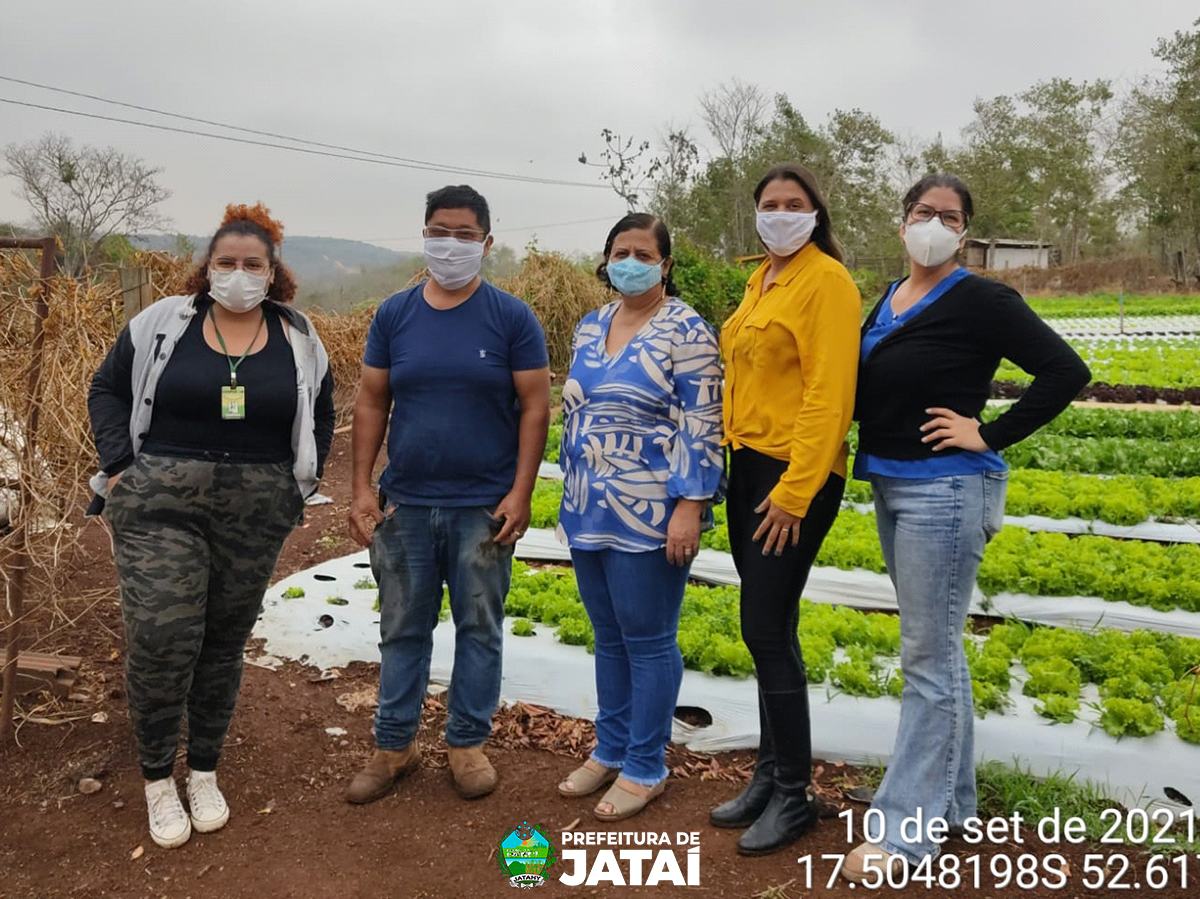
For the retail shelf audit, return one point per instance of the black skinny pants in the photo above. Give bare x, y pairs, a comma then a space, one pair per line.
771, 585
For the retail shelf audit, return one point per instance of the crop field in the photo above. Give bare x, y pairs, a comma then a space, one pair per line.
1107, 307
1120, 684
1100, 466
1134, 361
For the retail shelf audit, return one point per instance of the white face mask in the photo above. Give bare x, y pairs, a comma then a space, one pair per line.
931, 243
453, 262
237, 291
785, 232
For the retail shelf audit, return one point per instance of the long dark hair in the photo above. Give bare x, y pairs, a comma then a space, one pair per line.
822, 235
640, 221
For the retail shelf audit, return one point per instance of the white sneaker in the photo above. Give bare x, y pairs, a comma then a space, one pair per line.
169, 824
209, 809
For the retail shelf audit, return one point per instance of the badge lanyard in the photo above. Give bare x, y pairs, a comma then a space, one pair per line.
233, 397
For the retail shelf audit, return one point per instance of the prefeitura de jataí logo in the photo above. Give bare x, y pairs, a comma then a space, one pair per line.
524, 855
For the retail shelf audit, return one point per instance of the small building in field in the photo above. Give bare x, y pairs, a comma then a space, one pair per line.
999, 252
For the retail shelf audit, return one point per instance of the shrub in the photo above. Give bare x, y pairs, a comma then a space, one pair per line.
709, 285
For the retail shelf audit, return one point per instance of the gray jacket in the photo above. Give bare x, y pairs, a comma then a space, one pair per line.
150, 339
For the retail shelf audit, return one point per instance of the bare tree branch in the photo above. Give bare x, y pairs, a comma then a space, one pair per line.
734, 113
623, 167
84, 195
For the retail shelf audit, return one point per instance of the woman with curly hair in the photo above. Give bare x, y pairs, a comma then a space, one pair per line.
212, 415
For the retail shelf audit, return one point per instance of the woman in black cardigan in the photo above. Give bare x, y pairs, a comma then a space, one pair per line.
929, 351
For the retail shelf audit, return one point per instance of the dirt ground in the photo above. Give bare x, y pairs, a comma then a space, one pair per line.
292, 835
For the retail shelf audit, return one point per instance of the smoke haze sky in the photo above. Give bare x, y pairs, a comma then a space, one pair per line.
520, 87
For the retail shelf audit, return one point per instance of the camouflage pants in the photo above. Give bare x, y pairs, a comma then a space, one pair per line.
195, 546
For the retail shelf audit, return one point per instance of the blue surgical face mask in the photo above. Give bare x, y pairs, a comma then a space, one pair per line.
633, 278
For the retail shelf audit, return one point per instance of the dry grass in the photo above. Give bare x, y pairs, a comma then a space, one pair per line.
85, 318
560, 293
83, 321
345, 338
1135, 274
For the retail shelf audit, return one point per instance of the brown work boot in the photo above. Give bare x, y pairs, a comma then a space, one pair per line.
474, 775
380, 774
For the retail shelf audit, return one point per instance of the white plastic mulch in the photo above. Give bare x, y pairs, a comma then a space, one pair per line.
1133, 326
874, 592
1151, 531
1154, 531
541, 670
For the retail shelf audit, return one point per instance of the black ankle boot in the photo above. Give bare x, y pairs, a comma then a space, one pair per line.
790, 813
744, 809
792, 809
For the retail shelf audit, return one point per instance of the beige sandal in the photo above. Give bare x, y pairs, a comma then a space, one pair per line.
626, 804
584, 780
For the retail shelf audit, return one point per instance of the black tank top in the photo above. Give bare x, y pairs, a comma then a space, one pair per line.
186, 419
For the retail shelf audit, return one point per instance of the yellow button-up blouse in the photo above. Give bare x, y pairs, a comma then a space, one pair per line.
791, 360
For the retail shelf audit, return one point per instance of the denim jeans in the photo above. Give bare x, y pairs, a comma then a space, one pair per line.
633, 600
933, 532
415, 550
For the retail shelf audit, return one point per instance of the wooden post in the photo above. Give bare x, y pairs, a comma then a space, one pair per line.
136, 290
18, 559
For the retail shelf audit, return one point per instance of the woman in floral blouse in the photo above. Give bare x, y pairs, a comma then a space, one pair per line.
641, 452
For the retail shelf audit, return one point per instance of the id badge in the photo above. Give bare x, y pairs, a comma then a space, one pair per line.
233, 403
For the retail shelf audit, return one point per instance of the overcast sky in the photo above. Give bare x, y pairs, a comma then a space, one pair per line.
513, 86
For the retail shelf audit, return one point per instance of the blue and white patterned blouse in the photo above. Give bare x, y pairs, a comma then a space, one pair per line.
640, 430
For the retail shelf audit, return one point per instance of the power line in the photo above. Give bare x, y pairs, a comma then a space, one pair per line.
349, 153
512, 230
603, 218
464, 170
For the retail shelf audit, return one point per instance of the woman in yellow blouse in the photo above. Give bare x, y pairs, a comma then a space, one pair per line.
791, 357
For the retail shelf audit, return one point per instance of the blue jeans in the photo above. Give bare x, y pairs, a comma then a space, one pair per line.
933, 532
415, 550
633, 600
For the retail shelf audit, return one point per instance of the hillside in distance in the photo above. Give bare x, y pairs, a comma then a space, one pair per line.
311, 259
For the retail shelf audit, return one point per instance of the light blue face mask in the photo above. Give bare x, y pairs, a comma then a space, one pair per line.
633, 278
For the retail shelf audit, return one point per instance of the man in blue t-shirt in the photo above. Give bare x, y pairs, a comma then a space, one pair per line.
461, 369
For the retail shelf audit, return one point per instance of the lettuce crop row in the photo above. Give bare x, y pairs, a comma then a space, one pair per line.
1170, 448
1017, 561
1161, 428
1160, 576
1183, 424
1110, 304
1158, 457
1107, 455
710, 632
1119, 499
1081, 421
1136, 361
1141, 675
553, 440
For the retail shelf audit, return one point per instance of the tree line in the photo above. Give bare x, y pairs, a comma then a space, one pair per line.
1069, 162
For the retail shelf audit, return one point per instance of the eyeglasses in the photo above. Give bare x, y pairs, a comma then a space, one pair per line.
457, 233
253, 265
954, 219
